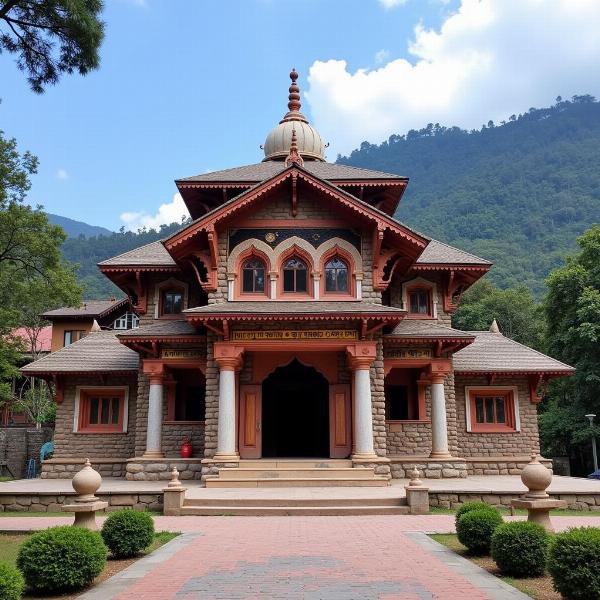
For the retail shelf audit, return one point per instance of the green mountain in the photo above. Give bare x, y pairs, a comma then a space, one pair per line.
87, 252
517, 194
76, 228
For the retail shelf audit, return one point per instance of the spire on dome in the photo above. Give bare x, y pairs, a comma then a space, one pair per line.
494, 327
294, 158
294, 113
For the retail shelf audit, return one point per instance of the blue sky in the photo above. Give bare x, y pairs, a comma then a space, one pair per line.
186, 87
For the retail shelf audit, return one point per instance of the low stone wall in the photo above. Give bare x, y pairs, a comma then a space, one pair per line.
380, 466
41, 502
501, 465
152, 469
211, 467
65, 468
19, 444
429, 468
581, 501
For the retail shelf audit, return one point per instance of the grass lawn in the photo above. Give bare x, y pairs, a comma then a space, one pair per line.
558, 512
10, 544
539, 588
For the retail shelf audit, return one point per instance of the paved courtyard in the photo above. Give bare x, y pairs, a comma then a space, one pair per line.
308, 558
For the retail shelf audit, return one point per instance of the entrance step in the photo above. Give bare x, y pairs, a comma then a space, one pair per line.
314, 481
295, 506
293, 472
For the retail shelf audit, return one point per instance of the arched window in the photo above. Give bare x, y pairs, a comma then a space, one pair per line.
253, 276
336, 275
294, 275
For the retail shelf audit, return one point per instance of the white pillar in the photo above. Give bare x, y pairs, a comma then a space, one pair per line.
359, 288
316, 285
226, 426
439, 425
273, 284
363, 411
155, 415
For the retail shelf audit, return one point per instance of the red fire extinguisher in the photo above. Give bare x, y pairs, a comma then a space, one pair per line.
186, 448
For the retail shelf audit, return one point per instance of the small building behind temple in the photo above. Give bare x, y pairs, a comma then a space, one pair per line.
295, 319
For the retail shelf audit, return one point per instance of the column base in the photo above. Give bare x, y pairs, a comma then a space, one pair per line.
365, 456
153, 454
440, 455
226, 457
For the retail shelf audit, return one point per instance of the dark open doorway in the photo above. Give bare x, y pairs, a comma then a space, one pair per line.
295, 413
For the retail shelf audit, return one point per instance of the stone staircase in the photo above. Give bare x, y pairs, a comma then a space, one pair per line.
286, 506
279, 473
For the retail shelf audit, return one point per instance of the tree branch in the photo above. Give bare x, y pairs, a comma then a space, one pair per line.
7, 7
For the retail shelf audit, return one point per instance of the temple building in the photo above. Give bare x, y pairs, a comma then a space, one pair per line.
294, 321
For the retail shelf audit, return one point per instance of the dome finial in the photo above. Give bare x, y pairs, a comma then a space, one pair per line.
294, 97
294, 158
494, 327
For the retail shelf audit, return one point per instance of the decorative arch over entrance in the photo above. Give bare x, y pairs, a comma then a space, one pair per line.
295, 413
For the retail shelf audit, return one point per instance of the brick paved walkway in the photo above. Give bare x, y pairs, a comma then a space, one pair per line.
293, 558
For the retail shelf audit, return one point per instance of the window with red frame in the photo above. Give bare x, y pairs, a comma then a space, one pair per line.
295, 276
492, 410
253, 276
101, 410
171, 301
336, 275
419, 302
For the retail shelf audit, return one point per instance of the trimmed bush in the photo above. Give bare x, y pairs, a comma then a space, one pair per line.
574, 563
475, 529
61, 559
520, 548
12, 583
128, 532
468, 507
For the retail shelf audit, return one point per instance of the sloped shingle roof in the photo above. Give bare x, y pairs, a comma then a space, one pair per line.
97, 352
414, 328
166, 327
437, 252
495, 353
91, 309
153, 254
266, 170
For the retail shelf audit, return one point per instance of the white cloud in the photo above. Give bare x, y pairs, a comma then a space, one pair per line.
489, 59
167, 213
381, 56
392, 3
62, 174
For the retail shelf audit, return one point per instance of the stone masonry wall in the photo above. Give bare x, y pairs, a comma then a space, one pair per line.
522, 443
173, 435
378, 400
211, 399
93, 445
19, 444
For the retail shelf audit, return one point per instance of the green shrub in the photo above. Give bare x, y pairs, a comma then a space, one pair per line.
468, 507
61, 559
128, 532
11, 583
476, 527
574, 563
520, 548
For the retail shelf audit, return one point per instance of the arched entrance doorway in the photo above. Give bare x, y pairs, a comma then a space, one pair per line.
295, 413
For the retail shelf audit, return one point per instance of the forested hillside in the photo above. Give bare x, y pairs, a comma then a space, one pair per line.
87, 252
76, 228
516, 193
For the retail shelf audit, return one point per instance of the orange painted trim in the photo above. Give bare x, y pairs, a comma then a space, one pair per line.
264, 363
84, 425
350, 294
310, 270
291, 224
415, 288
238, 284
161, 301
509, 404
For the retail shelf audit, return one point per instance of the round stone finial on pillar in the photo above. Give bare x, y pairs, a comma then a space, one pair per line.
86, 483
536, 477
413, 475
174, 479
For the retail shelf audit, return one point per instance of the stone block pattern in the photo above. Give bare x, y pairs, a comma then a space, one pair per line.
59, 469
211, 399
378, 400
503, 466
160, 470
430, 469
523, 443
173, 435
94, 445
582, 502
19, 444
53, 502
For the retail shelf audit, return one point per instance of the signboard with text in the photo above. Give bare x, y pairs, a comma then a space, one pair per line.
294, 334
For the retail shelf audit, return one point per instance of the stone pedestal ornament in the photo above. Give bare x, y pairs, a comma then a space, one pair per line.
86, 483
536, 477
417, 495
173, 495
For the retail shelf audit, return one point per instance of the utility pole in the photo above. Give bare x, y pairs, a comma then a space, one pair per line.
594, 451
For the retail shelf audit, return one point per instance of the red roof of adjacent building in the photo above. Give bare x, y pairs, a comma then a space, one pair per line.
43, 340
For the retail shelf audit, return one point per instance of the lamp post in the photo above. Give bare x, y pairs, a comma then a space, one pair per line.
591, 418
